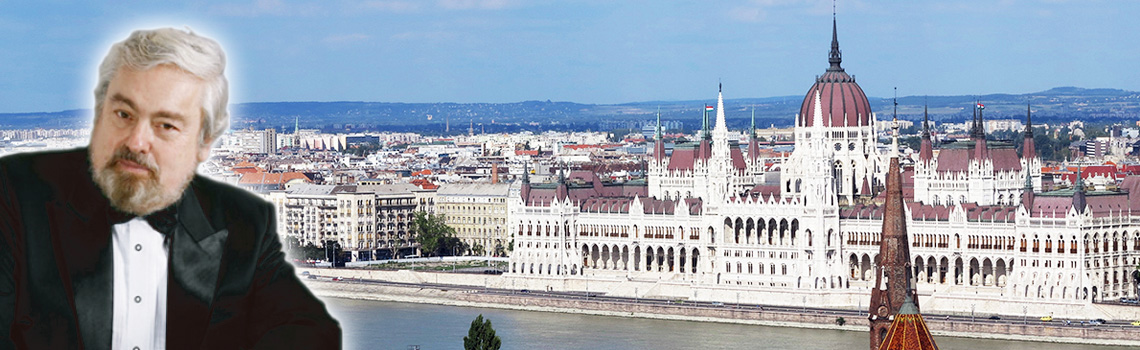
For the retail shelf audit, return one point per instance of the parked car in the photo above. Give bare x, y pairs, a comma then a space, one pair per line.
1096, 321
995, 317
1136, 323
1047, 318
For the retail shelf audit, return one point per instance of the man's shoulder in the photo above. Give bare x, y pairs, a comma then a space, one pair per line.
227, 197
61, 170
53, 161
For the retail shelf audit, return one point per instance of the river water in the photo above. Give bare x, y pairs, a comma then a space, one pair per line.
396, 326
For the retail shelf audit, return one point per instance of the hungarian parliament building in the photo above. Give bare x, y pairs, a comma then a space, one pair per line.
705, 225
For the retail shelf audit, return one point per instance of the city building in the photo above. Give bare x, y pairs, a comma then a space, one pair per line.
709, 225
255, 141
477, 212
368, 221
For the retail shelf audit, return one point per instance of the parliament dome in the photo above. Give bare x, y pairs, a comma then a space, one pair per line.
841, 99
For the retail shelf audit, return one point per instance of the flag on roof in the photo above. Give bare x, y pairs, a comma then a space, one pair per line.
981, 106
708, 108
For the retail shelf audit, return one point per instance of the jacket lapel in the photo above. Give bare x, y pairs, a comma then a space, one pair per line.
82, 234
195, 257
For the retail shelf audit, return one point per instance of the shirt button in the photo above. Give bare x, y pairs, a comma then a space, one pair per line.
135, 348
138, 247
138, 299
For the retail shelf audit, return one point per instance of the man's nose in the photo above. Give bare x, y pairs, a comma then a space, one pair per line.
140, 137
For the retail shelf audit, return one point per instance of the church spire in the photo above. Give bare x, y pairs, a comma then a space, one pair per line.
1079, 201
1028, 146
895, 126
659, 143
893, 279
657, 136
835, 57
752, 126
705, 135
926, 149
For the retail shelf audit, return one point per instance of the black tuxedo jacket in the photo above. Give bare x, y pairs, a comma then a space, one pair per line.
228, 284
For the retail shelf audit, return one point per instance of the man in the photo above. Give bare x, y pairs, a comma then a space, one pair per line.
121, 245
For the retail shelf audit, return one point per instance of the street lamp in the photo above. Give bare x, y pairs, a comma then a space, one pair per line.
971, 313
1024, 314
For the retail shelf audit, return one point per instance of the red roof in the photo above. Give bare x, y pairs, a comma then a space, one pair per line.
424, 184
682, 159
958, 159
842, 100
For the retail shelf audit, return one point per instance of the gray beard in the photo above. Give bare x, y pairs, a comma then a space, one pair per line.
139, 195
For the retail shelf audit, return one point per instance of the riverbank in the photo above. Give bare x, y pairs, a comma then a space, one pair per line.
472, 296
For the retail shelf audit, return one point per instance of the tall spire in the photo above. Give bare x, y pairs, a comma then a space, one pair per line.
752, 126
1027, 193
835, 57
1028, 121
1028, 146
705, 135
974, 121
893, 277
753, 141
524, 190
925, 121
1079, 201
926, 149
657, 136
895, 126
659, 143
721, 126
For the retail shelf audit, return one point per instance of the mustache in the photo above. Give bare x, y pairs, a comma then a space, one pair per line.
124, 153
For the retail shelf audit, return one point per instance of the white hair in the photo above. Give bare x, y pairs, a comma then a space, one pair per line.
200, 56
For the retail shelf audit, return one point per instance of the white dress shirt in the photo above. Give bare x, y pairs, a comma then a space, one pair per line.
140, 255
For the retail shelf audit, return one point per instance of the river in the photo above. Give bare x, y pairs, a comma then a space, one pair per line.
396, 326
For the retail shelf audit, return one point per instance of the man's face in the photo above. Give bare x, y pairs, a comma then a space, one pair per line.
145, 147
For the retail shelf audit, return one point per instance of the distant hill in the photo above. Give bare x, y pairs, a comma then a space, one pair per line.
1060, 104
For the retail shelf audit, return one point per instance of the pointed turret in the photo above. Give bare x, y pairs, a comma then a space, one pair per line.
893, 280
659, 142
1027, 193
721, 149
1079, 201
835, 57
524, 190
753, 141
895, 126
563, 191
926, 150
978, 134
1028, 147
705, 149
721, 126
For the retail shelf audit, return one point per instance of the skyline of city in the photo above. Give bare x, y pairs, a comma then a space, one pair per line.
592, 52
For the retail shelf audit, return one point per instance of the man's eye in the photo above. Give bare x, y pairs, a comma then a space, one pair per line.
122, 114
168, 127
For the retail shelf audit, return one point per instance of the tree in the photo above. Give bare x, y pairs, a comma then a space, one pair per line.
306, 252
481, 336
433, 234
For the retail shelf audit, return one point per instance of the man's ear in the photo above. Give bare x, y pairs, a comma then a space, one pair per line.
204, 150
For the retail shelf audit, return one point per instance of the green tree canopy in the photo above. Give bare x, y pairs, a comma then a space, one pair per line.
481, 336
433, 234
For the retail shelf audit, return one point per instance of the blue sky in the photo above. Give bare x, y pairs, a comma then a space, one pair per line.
583, 51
